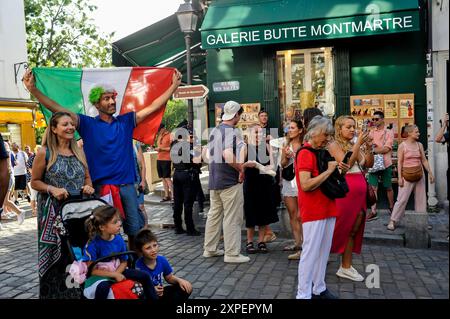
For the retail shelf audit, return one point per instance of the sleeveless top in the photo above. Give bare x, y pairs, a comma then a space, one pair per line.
67, 172
355, 168
411, 155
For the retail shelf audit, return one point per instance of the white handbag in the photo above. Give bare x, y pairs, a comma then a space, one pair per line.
378, 160
378, 163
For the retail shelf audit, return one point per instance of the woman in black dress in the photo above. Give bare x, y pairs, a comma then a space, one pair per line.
259, 203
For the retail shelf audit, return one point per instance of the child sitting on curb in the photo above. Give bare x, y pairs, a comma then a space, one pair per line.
157, 267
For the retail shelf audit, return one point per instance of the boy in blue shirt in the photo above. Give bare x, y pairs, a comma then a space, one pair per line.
158, 267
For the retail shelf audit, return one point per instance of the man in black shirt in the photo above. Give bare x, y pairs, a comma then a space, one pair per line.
186, 161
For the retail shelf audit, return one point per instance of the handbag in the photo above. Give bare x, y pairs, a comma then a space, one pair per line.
288, 172
378, 160
335, 186
412, 174
371, 196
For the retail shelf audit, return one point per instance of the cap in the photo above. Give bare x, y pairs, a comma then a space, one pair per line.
230, 109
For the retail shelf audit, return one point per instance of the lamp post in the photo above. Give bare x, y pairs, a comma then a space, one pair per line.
187, 19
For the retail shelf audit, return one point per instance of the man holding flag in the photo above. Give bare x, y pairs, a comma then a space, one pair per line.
108, 142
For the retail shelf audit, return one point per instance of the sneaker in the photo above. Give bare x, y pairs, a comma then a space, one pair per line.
295, 256
10, 215
349, 273
1, 226
391, 225
324, 295
21, 218
216, 253
236, 259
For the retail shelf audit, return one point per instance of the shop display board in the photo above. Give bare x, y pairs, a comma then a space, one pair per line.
398, 112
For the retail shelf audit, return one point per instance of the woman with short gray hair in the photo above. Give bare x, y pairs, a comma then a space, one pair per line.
318, 212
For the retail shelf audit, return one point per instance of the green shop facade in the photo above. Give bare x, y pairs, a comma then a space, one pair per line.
273, 52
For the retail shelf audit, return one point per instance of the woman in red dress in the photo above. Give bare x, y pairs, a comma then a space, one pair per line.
350, 222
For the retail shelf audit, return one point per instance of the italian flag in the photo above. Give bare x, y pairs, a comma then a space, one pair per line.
136, 88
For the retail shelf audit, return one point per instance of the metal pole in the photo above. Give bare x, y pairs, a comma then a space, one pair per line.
429, 83
187, 38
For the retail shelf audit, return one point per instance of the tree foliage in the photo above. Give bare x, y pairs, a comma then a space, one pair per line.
61, 33
176, 112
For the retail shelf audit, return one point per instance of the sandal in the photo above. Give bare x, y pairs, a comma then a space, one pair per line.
291, 247
262, 248
250, 249
372, 216
270, 238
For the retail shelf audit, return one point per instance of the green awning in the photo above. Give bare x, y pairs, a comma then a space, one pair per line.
231, 23
161, 44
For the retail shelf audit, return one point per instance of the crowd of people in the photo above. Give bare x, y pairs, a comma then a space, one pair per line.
248, 179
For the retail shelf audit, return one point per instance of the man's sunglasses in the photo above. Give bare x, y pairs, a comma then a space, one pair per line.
376, 119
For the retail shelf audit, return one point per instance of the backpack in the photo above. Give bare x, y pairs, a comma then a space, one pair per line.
335, 186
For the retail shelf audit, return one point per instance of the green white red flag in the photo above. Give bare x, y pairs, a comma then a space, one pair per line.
136, 88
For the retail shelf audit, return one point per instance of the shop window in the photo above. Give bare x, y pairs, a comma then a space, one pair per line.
305, 79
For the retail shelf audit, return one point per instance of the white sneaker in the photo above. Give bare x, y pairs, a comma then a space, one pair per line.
216, 253
1, 226
21, 218
349, 273
236, 259
11, 215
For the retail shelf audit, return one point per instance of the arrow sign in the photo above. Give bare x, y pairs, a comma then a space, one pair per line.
190, 92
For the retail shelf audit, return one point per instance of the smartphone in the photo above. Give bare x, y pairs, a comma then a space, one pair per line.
365, 126
347, 157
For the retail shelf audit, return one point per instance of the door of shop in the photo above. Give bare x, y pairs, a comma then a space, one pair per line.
305, 79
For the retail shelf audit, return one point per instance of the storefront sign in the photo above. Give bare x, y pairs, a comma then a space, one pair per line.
226, 86
395, 22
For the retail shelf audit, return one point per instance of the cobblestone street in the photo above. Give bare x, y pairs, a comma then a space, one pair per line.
404, 273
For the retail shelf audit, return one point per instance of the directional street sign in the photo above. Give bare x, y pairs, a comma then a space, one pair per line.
190, 92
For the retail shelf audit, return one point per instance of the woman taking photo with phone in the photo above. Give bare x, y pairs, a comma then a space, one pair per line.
350, 222
294, 141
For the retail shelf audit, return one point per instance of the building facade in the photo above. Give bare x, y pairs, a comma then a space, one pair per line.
341, 56
16, 108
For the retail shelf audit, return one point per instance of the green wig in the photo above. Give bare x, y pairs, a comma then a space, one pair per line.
95, 94
97, 91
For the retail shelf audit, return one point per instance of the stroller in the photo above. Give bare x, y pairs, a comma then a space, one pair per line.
73, 213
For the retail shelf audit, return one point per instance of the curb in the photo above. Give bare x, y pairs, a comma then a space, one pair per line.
371, 239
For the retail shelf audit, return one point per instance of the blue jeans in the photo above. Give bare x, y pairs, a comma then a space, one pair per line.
134, 220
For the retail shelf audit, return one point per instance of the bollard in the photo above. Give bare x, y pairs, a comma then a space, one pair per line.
416, 230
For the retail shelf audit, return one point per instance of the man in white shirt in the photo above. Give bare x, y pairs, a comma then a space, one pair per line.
20, 170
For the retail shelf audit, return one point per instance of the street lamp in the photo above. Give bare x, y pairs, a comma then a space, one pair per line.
187, 19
